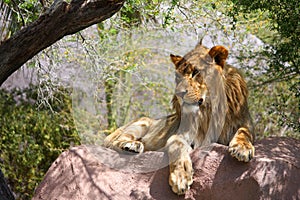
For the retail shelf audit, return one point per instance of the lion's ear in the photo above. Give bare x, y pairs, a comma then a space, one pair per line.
175, 59
219, 54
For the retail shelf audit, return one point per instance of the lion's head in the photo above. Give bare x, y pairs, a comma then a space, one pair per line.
192, 73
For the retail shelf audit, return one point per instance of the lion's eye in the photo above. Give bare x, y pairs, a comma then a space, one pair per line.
195, 72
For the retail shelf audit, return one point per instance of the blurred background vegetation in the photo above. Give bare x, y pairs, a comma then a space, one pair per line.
32, 139
89, 83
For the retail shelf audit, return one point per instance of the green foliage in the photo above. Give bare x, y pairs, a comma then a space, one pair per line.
23, 12
32, 139
130, 13
279, 28
284, 41
284, 13
137, 12
169, 16
275, 110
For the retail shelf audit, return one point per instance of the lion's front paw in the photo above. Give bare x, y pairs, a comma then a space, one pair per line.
181, 178
241, 149
132, 146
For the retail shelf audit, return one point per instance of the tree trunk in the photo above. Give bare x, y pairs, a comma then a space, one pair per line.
5, 193
59, 20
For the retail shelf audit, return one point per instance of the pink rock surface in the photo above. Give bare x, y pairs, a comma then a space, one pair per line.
274, 173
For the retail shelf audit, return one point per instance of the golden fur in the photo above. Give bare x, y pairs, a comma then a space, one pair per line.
210, 103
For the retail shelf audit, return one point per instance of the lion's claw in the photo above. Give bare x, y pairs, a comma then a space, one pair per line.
133, 146
241, 150
181, 178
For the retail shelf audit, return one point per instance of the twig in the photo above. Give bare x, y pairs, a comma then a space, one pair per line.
19, 11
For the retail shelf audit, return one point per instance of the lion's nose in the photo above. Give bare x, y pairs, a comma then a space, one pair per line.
181, 93
200, 101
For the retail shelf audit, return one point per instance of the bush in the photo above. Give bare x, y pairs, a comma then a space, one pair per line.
275, 109
31, 139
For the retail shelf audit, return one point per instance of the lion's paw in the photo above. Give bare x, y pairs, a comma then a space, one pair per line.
181, 178
132, 146
241, 149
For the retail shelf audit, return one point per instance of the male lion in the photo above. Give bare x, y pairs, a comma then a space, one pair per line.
211, 106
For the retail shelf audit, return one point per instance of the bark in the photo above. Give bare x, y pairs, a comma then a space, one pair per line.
5, 192
59, 20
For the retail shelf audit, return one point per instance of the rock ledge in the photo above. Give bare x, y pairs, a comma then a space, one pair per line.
274, 173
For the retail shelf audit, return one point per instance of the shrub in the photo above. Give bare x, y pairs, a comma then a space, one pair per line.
31, 139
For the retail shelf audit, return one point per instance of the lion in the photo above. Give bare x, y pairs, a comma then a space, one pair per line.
210, 104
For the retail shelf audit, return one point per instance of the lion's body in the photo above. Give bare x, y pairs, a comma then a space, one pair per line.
211, 106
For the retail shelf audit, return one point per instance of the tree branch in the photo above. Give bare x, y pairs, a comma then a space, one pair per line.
59, 20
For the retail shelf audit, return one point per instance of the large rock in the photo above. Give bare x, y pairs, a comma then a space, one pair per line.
274, 173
